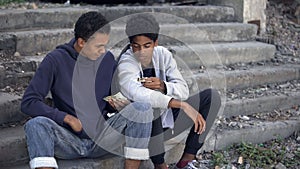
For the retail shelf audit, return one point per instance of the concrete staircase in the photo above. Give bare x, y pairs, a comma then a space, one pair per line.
203, 38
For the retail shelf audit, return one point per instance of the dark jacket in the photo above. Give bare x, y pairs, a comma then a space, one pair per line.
55, 74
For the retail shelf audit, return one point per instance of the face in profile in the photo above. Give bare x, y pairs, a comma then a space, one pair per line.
95, 46
143, 47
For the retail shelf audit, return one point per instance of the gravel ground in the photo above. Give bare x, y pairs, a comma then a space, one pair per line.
285, 35
256, 119
35, 4
282, 29
273, 89
280, 154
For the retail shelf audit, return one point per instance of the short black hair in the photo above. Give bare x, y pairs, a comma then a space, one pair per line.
89, 23
142, 24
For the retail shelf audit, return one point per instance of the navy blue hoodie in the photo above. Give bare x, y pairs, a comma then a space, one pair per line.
55, 74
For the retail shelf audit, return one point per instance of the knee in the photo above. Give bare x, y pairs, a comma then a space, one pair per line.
139, 111
36, 123
141, 106
213, 95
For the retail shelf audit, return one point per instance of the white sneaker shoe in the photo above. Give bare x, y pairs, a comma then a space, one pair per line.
195, 165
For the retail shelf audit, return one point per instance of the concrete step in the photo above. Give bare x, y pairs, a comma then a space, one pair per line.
246, 105
195, 33
194, 55
198, 80
66, 17
15, 156
21, 65
15, 79
262, 132
14, 147
18, 72
211, 32
110, 163
172, 155
36, 41
210, 55
250, 106
10, 108
238, 79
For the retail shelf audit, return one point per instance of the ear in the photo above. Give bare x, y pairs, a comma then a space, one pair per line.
81, 42
156, 43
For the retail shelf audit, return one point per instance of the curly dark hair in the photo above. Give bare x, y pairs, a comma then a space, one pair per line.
89, 23
142, 24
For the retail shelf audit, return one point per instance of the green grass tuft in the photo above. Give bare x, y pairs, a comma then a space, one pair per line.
5, 2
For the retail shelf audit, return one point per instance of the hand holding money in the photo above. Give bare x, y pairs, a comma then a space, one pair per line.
117, 96
117, 101
153, 83
144, 80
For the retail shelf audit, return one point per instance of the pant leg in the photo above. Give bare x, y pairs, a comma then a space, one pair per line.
156, 144
46, 139
208, 103
209, 106
132, 127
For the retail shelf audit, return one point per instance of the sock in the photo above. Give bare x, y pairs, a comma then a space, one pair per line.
182, 163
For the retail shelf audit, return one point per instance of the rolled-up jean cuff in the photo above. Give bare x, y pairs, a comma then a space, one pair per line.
136, 153
43, 162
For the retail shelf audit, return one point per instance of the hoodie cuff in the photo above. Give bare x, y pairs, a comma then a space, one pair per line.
60, 115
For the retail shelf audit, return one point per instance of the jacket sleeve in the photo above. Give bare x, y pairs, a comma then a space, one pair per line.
128, 72
177, 87
33, 100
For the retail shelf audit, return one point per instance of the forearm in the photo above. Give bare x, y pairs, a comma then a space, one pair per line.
188, 109
197, 118
35, 107
139, 93
174, 103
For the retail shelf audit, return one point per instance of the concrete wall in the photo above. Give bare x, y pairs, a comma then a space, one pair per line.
238, 6
255, 10
246, 10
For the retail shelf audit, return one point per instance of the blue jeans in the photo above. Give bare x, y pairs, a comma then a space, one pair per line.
126, 133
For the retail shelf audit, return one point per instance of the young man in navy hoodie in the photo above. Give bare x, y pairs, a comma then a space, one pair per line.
79, 74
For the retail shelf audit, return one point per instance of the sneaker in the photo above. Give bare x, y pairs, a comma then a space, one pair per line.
195, 165
192, 165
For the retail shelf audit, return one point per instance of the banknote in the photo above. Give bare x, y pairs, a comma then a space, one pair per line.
118, 96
